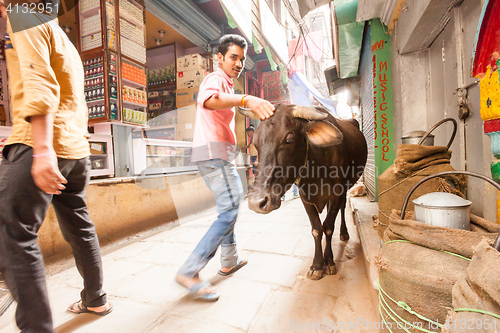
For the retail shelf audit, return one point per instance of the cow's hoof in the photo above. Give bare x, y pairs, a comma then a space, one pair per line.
315, 274
330, 269
344, 237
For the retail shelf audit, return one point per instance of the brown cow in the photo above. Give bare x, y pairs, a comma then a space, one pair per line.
324, 155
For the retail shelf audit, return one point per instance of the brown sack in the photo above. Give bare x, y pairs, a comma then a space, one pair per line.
416, 157
412, 153
422, 273
420, 277
457, 241
478, 290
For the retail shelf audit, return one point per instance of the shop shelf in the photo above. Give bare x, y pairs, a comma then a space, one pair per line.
95, 31
162, 86
133, 104
165, 110
160, 127
91, 52
125, 15
133, 41
137, 62
159, 97
132, 84
134, 124
90, 12
96, 119
90, 77
96, 101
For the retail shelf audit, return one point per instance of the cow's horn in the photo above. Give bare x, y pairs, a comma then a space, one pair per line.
308, 112
248, 113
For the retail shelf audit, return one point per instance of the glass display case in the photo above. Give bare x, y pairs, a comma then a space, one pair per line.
159, 156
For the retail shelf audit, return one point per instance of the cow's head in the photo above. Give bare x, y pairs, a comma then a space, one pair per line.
282, 143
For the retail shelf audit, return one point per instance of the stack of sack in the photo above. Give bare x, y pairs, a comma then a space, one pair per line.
476, 296
424, 272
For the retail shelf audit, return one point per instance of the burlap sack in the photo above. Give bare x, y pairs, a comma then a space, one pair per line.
411, 158
457, 241
478, 290
415, 162
422, 273
420, 277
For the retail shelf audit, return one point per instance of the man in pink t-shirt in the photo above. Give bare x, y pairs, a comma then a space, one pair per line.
214, 150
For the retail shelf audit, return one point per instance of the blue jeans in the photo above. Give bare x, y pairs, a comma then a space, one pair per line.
224, 181
253, 159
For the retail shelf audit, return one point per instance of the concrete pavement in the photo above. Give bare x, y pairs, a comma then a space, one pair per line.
270, 294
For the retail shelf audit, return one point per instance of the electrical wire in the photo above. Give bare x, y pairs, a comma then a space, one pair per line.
304, 29
303, 32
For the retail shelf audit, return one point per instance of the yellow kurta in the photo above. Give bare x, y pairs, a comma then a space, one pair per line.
46, 76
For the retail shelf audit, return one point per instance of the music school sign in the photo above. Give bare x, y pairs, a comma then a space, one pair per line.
382, 98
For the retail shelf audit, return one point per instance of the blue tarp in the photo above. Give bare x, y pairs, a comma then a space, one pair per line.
303, 93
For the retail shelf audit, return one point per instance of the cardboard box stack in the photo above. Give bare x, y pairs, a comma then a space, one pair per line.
191, 70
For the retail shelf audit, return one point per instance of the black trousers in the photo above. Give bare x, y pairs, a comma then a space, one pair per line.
23, 207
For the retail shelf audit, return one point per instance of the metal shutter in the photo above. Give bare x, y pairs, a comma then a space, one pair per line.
368, 114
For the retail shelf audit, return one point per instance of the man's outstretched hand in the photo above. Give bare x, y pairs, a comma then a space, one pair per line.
260, 106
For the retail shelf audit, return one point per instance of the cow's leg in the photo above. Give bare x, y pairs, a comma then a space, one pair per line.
328, 227
344, 234
316, 270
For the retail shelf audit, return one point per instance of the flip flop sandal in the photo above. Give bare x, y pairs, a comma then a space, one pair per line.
78, 308
209, 297
240, 264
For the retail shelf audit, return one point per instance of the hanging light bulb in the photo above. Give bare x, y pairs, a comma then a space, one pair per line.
158, 41
161, 33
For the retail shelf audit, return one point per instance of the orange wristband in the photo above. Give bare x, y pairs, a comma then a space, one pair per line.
243, 101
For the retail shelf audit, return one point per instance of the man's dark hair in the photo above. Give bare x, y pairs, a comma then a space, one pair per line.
227, 40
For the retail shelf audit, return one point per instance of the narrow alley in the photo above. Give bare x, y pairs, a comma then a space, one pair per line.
270, 294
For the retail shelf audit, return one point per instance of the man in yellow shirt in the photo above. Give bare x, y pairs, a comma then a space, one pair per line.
45, 160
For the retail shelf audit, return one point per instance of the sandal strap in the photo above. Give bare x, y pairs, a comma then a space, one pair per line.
200, 285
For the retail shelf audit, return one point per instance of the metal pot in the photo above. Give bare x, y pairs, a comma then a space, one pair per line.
413, 138
443, 210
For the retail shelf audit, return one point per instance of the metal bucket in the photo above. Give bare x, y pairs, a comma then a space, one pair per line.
426, 138
496, 244
413, 138
443, 210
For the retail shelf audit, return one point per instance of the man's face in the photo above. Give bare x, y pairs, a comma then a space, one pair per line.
233, 61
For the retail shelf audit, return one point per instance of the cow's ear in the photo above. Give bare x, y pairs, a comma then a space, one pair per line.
323, 134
